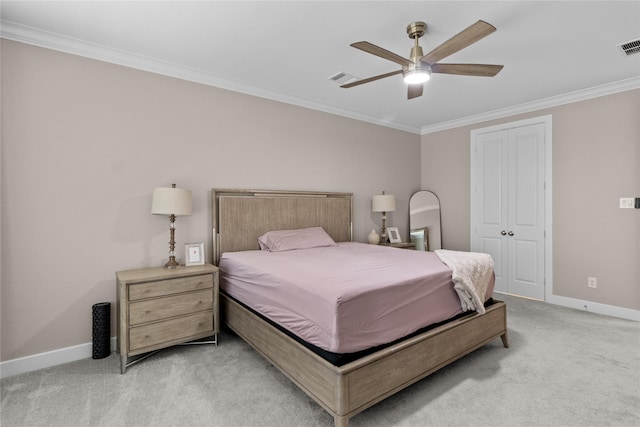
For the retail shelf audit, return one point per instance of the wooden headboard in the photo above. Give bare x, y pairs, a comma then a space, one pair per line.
241, 216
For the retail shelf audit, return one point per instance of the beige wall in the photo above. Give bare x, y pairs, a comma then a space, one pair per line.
85, 142
596, 160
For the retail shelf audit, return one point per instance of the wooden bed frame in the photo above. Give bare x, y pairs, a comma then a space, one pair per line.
240, 216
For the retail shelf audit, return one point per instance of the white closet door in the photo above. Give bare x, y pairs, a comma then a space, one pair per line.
525, 229
508, 206
490, 158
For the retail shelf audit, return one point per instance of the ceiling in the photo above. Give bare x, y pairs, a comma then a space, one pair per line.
552, 51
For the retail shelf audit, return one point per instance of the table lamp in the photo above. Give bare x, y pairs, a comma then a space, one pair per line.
172, 202
383, 203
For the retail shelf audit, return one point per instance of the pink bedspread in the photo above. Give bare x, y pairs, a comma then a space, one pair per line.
344, 298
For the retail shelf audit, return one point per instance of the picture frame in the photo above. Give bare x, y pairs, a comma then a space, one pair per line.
394, 235
194, 254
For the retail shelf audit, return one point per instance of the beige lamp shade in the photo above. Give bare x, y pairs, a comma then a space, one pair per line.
384, 203
171, 201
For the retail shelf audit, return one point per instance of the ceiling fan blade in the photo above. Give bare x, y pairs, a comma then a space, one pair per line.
458, 42
371, 79
382, 53
415, 91
481, 70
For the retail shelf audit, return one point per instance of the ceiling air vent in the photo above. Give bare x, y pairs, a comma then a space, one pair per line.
631, 47
343, 78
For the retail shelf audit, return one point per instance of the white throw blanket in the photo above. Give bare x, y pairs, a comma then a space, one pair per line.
471, 276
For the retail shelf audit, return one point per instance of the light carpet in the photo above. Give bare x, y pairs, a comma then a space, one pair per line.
564, 367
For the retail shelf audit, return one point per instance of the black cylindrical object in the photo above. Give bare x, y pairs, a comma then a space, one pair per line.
101, 330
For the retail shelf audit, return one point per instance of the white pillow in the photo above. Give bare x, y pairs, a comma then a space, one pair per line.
287, 240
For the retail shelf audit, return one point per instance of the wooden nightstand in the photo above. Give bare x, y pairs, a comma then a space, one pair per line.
402, 245
160, 307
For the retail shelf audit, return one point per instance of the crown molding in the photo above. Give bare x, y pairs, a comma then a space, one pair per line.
554, 101
37, 37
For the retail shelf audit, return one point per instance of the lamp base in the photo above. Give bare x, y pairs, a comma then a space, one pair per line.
172, 244
383, 230
172, 263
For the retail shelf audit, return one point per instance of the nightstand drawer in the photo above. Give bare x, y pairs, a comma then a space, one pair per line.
170, 330
172, 306
169, 287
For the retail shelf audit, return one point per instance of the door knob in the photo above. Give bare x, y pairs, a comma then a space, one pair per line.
504, 233
510, 233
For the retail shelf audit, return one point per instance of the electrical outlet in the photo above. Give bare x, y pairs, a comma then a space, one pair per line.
592, 282
626, 202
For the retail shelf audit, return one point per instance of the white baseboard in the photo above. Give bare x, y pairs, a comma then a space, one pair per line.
84, 351
48, 359
594, 307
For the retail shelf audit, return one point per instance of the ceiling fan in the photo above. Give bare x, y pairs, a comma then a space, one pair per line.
418, 68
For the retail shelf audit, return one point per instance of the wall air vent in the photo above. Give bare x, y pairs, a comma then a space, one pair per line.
630, 47
343, 78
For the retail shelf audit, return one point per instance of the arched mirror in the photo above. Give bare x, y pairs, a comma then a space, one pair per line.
424, 220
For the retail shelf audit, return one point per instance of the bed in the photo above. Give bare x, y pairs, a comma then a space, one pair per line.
343, 389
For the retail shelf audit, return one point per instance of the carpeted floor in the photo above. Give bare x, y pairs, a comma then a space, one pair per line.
564, 368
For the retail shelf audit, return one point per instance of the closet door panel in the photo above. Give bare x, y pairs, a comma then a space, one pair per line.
491, 200
526, 211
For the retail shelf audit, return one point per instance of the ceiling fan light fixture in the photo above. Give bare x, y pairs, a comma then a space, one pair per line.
417, 69
417, 76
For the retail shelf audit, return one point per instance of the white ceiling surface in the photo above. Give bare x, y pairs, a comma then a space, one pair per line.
288, 50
